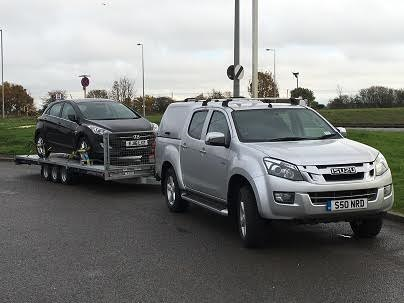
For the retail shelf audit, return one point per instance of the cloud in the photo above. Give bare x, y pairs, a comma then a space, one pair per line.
188, 44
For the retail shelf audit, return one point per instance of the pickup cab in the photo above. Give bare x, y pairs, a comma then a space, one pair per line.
262, 160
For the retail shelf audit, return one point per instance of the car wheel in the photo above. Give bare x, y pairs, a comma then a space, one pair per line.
42, 148
251, 226
67, 177
367, 228
172, 193
46, 172
55, 174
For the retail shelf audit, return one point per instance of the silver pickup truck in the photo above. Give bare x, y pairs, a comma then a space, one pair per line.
261, 160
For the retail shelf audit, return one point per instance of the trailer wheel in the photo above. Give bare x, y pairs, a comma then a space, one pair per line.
55, 174
67, 177
46, 172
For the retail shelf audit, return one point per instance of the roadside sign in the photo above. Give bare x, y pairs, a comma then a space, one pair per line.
235, 72
85, 82
58, 96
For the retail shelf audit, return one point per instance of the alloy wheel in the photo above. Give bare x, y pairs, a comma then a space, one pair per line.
170, 185
242, 219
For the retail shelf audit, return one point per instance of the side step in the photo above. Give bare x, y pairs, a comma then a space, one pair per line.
207, 203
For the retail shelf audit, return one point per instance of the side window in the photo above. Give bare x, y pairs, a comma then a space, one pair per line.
55, 110
196, 125
68, 110
218, 123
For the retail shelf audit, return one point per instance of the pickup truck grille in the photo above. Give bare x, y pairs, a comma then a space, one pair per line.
140, 152
321, 198
352, 177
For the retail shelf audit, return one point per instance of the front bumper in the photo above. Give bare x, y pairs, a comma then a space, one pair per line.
304, 209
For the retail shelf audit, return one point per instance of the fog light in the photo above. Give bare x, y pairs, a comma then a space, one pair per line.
284, 198
387, 190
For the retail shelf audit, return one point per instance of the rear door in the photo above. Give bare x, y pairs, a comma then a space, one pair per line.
67, 127
215, 159
191, 151
52, 126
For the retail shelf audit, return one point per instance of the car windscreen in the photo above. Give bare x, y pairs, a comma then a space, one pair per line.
283, 124
94, 110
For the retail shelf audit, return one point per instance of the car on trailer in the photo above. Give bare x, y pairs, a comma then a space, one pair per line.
92, 136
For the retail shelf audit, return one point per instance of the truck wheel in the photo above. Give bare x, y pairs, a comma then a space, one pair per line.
172, 193
46, 172
250, 224
67, 177
367, 228
55, 174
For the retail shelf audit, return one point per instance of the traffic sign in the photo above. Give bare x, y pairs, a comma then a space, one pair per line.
235, 72
85, 82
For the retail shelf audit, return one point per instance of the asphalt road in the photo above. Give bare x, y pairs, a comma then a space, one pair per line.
110, 242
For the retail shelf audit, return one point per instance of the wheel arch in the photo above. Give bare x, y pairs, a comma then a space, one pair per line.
235, 183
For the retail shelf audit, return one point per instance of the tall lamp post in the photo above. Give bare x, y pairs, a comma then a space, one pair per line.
297, 79
2, 73
254, 86
236, 82
273, 50
144, 103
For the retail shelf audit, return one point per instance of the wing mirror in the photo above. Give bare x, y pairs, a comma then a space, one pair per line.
73, 118
216, 139
342, 131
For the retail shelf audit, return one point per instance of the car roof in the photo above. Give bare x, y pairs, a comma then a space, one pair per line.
89, 100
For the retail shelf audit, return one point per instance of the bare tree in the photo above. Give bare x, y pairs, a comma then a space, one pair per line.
123, 91
98, 94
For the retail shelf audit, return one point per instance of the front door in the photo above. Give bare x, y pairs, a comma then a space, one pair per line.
67, 128
215, 161
52, 127
191, 152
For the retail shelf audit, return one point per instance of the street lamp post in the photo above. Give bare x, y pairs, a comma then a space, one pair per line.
254, 85
236, 82
273, 50
2, 73
144, 103
297, 79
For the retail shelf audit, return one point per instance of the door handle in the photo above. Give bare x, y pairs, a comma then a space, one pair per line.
202, 151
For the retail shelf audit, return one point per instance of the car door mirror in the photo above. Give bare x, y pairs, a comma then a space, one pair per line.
216, 139
73, 118
342, 131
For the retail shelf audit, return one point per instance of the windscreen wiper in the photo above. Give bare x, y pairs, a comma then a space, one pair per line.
326, 136
288, 139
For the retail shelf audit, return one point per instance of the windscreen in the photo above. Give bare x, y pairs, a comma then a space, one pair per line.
284, 124
106, 111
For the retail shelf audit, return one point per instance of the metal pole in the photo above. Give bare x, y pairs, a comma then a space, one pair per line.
144, 102
2, 73
236, 82
275, 71
297, 81
255, 49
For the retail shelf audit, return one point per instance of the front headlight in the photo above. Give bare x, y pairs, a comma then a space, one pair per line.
155, 127
381, 165
282, 169
98, 130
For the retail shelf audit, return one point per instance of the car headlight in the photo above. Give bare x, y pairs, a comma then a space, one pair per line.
381, 165
98, 130
282, 169
155, 127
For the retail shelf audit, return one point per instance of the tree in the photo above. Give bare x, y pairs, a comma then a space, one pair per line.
52, 96
17, 100
149, 102
98, 94
217, 94
160, 104
305, 93
123, 91
267, 88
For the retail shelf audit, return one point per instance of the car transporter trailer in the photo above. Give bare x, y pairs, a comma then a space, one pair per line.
126, 156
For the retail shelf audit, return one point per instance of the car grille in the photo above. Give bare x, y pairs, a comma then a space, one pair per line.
321, 198
351, 177
122, 155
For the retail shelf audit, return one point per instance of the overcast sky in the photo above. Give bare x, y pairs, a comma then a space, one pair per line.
189, 44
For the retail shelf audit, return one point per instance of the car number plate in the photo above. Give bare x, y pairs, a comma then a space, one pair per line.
347, 204
136, 143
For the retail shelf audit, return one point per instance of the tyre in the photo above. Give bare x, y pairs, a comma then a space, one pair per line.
67, 177
251, 226
367, 228
42, 148
172, 193
55, 174
46, 172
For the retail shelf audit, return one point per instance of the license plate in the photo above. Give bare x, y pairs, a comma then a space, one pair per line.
347, 204
136, 143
